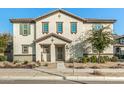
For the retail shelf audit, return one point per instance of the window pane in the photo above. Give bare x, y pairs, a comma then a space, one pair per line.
73, 27
25, 49
59, 27
25, 29
97, 27
45, 27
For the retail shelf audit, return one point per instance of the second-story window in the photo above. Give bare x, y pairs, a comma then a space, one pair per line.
59, 27
25, 29
73, 27
122, 40
45, 27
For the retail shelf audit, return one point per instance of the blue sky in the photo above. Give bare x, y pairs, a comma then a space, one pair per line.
105, 13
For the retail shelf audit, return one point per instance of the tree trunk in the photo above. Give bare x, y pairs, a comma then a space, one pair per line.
99, 57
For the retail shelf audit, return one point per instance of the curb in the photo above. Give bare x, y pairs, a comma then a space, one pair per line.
78, 78
95, 78
32, 78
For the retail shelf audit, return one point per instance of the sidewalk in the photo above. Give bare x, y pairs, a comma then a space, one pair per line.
54, 74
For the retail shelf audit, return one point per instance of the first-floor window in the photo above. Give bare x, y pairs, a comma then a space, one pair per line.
25, 48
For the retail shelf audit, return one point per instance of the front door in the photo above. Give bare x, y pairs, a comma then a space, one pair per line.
46, 53
60, 53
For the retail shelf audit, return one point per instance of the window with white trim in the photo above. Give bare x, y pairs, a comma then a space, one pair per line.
25, 48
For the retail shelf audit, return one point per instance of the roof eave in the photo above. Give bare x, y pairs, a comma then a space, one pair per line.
100, 21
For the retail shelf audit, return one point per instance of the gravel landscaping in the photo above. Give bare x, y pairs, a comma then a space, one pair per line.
113, 65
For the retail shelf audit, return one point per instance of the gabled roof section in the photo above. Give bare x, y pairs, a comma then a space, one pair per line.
85, 20
118, 36
61, 11
54, 35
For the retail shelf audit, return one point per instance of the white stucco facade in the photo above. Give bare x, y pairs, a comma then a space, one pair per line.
70, 49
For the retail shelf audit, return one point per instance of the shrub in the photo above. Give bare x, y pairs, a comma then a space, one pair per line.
25, 62
106, 58
16, 61
79, 59
101, 58
3, 58
45, 65
85, 59
38, 63
114, 59
93, 59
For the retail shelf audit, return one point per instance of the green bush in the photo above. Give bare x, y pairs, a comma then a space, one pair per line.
3, 58
106, 58
114, 59
102, 60
93, 59
25, 62
45, 65
16, 61
85, 59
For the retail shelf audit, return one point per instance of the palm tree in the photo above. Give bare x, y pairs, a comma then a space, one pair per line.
100, 39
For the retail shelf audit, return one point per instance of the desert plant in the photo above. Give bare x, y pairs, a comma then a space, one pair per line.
101, 59
2, 58
106, 58
114, 59
25, 62
16, 61
85, 59
93, 59
45, 64
38, 62
79, 60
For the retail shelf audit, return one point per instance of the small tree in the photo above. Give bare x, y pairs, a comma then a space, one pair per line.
100, 39
4, 38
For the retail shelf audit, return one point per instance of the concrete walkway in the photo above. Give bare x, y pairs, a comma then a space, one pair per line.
81, 70
54, 74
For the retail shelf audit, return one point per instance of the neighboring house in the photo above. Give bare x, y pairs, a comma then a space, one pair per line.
119, 46
54, 36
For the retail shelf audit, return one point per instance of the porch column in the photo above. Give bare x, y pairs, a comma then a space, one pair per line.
53, 56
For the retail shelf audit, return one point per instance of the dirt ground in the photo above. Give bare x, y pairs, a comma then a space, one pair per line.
95, 65
120, 74
48, 65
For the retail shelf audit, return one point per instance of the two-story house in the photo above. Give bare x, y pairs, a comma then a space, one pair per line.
54, 36
119, 46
